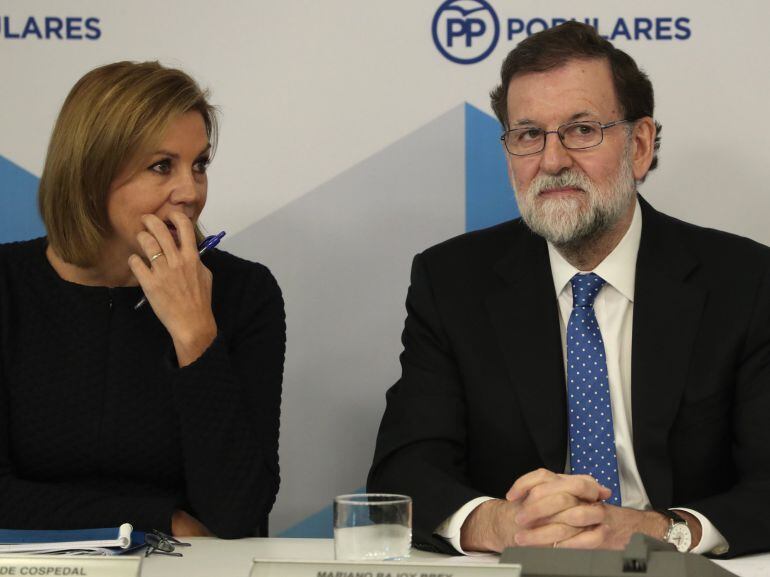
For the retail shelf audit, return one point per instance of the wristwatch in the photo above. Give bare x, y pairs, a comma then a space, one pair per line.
678, 533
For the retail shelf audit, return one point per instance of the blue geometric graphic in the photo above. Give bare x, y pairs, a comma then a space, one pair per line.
320, 525
19, 219
489, 197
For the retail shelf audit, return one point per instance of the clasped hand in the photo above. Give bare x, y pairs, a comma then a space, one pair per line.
546, 509
176, 283
560, 510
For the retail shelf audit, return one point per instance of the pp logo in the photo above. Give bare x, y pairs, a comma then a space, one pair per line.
465, 31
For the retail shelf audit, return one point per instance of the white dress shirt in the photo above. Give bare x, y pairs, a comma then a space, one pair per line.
614, 308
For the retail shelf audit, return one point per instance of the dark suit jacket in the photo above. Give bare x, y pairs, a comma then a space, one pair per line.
481, 400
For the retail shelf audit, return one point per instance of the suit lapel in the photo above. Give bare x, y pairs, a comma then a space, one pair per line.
524, 313
667, 312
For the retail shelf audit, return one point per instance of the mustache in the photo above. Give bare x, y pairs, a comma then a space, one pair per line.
567, 179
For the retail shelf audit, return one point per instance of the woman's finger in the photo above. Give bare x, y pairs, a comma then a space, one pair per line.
186, 231
159, 230
141, 271
150, 246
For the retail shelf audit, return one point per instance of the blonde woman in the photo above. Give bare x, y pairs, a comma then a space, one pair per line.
165, 416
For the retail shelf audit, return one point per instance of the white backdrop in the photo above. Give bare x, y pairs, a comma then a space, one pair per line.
344, 151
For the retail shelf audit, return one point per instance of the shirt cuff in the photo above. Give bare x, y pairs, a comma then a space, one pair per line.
711, 540
450, 529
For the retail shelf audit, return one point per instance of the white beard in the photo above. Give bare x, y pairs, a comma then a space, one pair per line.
573, 220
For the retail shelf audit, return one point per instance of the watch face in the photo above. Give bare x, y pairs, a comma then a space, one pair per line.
680, 536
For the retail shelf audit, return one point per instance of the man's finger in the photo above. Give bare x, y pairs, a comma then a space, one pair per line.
525, 483
545, 535
584, 515
583, 487
534, 510
591, 538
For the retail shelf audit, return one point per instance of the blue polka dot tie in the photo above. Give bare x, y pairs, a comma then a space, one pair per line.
591, 434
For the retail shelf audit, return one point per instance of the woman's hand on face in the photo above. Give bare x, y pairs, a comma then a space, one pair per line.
176, 284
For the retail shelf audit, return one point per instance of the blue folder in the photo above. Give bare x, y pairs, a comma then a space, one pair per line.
108, 541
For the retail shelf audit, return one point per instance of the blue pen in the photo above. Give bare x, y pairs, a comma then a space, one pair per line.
208, 243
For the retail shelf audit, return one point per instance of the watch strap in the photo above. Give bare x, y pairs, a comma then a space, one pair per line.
673, 515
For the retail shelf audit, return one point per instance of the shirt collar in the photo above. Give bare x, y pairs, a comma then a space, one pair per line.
618, 268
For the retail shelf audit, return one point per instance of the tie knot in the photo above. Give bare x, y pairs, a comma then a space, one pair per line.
585, 287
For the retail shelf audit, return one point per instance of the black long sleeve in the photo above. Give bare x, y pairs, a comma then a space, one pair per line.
98, 426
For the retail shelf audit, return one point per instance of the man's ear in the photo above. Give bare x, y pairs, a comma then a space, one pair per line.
643, 146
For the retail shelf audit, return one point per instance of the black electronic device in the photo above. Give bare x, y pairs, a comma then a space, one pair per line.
643, 557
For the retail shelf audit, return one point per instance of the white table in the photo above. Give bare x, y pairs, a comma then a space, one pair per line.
218, 558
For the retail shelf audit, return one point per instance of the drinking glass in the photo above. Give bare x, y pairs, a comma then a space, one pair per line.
372, 526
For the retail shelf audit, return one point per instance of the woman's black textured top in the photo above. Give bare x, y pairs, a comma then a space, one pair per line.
98, 424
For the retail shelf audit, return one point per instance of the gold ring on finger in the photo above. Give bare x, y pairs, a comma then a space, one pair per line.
156, 255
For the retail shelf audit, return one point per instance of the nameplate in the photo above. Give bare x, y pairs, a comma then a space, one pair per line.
69, 566
292, 568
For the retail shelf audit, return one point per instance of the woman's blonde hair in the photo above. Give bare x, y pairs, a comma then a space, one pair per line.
115, 115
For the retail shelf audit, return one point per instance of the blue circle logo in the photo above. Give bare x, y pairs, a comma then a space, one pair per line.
465, 31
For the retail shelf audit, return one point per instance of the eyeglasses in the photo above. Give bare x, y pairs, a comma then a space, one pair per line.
573, 135
162, 544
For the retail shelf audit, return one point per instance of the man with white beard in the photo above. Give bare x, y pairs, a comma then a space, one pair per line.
595, 368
